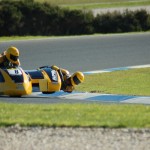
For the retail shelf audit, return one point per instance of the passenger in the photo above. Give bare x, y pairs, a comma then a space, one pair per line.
10, 58
69, 81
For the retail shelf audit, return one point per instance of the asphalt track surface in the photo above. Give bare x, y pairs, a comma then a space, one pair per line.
84, 53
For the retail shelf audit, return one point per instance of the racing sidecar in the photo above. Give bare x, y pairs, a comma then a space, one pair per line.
14, 82
17, 82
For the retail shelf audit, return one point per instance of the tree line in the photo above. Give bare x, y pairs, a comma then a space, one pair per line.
33, 18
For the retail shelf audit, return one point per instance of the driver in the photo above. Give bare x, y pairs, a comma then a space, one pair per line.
10, 58
69, 81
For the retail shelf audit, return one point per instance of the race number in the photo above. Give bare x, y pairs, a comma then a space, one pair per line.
14, 72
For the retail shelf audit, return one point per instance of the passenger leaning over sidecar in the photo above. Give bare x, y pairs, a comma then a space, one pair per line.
69, 81
10, 58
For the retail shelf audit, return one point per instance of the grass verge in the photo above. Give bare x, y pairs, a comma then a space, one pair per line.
12, 38
129, 82
75, 115
107, 5
92, 4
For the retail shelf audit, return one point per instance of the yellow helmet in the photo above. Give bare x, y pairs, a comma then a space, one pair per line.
12, 54
76, 78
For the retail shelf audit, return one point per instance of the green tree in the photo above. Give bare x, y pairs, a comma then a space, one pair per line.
10, 18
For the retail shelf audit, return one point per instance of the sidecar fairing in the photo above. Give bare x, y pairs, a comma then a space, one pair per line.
45, 80
14, 82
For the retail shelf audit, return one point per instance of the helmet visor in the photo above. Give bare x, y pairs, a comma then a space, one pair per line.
76, 80
14, 58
